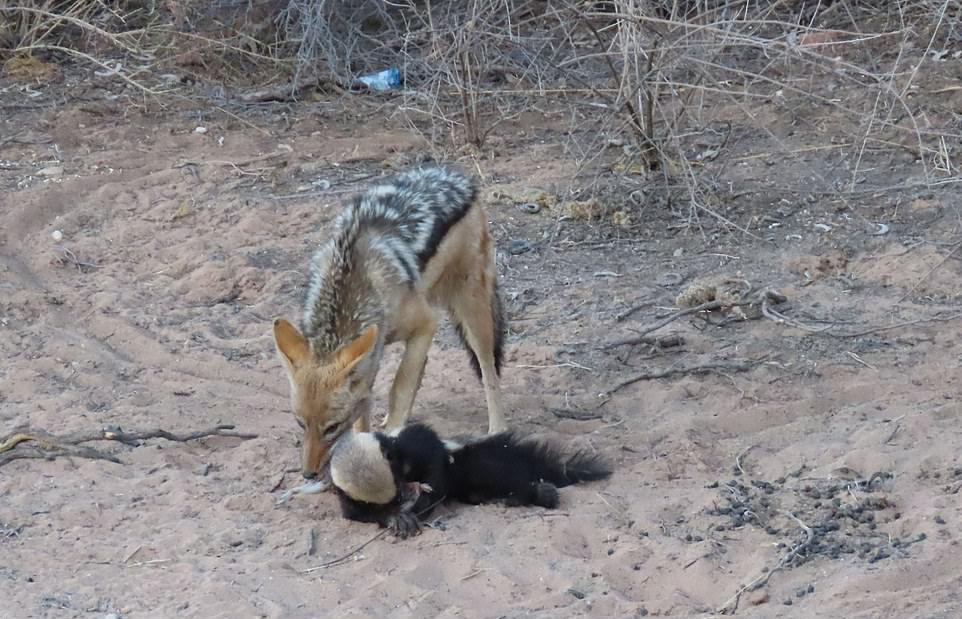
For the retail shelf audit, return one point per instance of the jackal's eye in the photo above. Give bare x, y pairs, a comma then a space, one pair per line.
332, 430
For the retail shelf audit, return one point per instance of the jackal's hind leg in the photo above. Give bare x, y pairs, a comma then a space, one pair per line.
478, 316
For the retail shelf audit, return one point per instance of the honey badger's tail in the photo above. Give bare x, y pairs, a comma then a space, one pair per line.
520, 470
562, 469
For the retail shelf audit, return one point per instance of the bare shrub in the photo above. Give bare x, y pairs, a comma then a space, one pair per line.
657, 91
676, 83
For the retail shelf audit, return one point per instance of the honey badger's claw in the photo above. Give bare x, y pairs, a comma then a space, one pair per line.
405, 525
411, 492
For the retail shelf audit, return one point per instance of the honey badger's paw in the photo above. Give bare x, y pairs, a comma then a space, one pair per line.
404, 525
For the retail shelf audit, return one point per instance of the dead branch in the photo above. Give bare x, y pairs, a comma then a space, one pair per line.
68, 257
899, 325
669, 341
738, 459
640, 337
32, 444
288, 91
34, 452
780, 318
731, 605
762, 297
634, 308
644, 134
731, 365
928, 273
131, 438
576, 415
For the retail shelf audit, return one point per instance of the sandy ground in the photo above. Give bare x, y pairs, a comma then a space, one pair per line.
195, 242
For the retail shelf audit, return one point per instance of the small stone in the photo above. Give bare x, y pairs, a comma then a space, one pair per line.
529, 208
575, 592
611, 551
788, 602
642, 612
880, 554
759, 597
51, 171
200, 130
518, 247
939, 520
112, 616
57, 235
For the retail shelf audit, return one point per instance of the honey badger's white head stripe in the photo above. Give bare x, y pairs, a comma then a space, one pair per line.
360, 470
452, 445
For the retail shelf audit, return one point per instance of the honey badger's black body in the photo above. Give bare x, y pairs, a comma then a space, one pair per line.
499, 467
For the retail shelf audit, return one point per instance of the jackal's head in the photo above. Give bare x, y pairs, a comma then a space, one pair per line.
326, 395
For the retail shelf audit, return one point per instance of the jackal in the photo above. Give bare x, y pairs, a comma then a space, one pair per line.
404, 247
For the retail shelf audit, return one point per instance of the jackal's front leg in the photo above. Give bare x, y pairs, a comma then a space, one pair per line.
407, 381
362, 416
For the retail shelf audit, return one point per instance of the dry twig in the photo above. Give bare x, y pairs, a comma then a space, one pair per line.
68, 257
347, 555
354, 551
731, 365
929, 272
40, 444
731, 605
289, 91
640, 338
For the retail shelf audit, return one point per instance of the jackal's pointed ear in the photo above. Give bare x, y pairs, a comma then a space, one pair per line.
351, 354
291, 345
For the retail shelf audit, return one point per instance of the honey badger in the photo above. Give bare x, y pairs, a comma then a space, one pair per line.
393, 479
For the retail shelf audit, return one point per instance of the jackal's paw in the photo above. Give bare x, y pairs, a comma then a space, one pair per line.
497, 427
391, 424
404, 525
